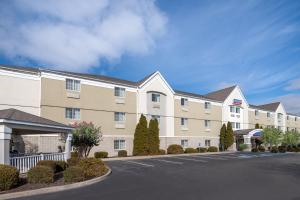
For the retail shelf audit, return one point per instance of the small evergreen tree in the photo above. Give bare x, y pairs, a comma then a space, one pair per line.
229, 138
222, 137
140, 141
153, 137
257, 126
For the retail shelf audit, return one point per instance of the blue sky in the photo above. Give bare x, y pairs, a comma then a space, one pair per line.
198, 46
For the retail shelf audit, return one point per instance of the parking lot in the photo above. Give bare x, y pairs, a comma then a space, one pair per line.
221, 176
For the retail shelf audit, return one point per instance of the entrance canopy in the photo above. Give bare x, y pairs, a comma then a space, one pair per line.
248, 132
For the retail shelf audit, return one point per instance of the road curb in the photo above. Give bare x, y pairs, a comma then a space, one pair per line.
55, 188
163, 156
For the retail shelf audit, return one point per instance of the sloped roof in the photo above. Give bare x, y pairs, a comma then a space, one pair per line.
20, 116
29, 70
268, 107
194, 95
220, 95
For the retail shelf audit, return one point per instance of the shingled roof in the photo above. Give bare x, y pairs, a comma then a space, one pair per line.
220, 95
20, 116
198, 96
268, 107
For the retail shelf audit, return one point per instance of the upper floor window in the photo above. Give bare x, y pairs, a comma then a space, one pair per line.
268, 115
238, 110
207, 105
119, 144
155, 97
256, 112
279, 116
207, 123
184, 101
73, 85
119, 117
287, 117
119, 92
295, 119
72, 113
232, 109
184, 122
184, 143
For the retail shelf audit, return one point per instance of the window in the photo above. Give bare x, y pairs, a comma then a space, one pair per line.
184, 101
72, 113
232, 109
207, 143
207, 105
119, 92
73, 85
155, 97
184, 122
279, 116
256, 113
119, 144
207, 124
119, 117
287, 117
287, 128
238, 110
268, 115
295, 119
184, 143
157, 117
238, 125
233, 124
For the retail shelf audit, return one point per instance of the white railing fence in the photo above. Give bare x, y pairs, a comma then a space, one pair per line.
24, 163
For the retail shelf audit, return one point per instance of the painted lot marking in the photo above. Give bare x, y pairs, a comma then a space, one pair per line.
227, 156
190, 159
138, 163
168, 161
209, 157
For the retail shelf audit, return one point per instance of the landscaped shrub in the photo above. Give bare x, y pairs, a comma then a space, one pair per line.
261, 149
74, 154
175, 149
61, 165
73, 161
9, 177
242, 147
274, 149
73, 174
202, 149
122, 153
40, 174
92, 167
190, 150
254, 150
48, 163
282, 149
162, 152
101, 154
212, 149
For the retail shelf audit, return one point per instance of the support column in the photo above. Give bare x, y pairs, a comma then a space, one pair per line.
247, 141
5, 136
68, 146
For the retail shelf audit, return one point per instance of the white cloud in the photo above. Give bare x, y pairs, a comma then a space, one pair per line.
293, 85
291, 102
77, 34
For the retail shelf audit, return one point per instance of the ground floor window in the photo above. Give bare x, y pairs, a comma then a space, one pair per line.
72, 113
238, 125
119, 144
207, 143
184, 143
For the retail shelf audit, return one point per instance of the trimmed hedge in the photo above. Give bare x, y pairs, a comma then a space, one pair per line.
9, 177
274, 149
254, 150
73, 161
40, 174
162, 152
122, 153
101, 154
212, 149
202, 149
48, 163
261, 149
190, 150
73, 174
282, 149
175, 149
61, 165
92, 167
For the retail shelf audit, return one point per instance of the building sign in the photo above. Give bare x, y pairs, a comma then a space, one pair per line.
237, 102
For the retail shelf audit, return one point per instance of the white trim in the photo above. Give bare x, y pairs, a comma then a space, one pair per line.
40, 135
197, 100
23, 74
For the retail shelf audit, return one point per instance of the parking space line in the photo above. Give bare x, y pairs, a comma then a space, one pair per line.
191, 159
168, 161
207, 157
226, 156
139, 163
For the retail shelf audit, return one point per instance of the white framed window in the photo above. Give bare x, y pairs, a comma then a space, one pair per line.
238, 125
207, 143
119, 92
232, 110
155, 97
184, 143
256, 112
157, 117
184, 122
207, 105
72, 113
287, 117
207, 124
279, 116
295, 119
238, 110
120, 117
119, 145
268, 115
233, 124
184, 102
73, 85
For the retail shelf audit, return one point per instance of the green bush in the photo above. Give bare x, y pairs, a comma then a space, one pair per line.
74, 154
48, 163
73, 161
122, 153
162, 152
212, 149
61, 165
40, 174
282, 149
101, 154
254, 150
9, 177
242, 147
73, 174
274, 149
175, 149
92, 167
296, 149
261, 149
202, 149
190, 150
